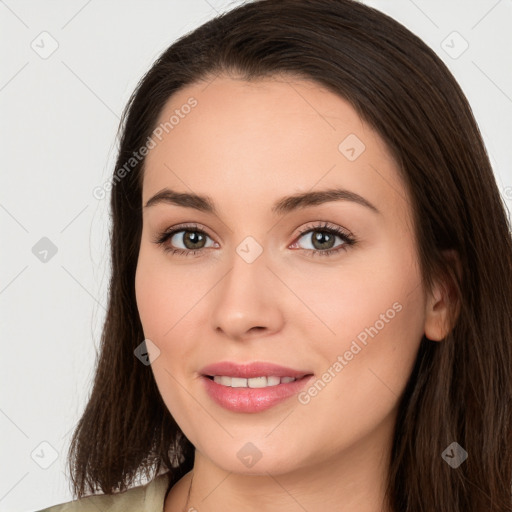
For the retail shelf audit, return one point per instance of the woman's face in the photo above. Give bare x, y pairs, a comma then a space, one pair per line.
255, 290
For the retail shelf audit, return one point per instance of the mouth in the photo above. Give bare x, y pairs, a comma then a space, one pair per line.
253, 387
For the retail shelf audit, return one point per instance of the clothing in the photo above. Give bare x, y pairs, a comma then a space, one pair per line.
143, 498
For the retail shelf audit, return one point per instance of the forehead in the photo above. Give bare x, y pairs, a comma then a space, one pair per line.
243, 141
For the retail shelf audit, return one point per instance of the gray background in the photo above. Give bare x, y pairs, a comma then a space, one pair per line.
59, 117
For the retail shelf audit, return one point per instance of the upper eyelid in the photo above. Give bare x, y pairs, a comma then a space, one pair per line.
187, 227
327, 226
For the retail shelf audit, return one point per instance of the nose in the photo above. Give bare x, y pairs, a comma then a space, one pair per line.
248, 301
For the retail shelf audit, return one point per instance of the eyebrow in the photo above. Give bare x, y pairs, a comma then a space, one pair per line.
282, 206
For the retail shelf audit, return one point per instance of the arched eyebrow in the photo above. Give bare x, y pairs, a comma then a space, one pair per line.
282, 206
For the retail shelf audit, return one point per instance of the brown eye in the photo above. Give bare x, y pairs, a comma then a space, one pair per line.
191, 239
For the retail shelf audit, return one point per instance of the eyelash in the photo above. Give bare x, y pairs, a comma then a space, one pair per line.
349, 240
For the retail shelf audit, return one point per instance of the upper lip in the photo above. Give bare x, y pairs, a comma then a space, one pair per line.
250, 370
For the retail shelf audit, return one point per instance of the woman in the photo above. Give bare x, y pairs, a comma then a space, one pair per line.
310, 304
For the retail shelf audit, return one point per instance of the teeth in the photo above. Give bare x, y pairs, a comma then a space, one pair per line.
255, 382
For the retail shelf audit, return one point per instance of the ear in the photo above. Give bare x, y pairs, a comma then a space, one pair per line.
443, 303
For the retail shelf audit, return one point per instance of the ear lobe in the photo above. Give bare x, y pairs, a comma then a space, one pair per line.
443, 304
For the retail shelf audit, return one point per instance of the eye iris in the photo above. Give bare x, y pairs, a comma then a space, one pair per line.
193, 237
320, 236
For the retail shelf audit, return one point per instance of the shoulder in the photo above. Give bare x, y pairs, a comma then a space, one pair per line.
149, 497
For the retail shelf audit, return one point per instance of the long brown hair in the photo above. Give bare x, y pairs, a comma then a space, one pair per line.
460, 389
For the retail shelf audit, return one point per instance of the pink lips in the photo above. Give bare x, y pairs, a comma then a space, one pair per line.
251, 400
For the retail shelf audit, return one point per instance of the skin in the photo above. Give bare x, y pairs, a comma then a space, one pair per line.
246, 145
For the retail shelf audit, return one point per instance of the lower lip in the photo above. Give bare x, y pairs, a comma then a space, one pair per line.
252, 399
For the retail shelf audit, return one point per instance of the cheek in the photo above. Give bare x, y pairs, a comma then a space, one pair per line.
373, 294
372, 316
377, 324
164, 294
169, 299
160, 310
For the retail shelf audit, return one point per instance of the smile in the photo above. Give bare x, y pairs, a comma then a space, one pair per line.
254, 382
254, 394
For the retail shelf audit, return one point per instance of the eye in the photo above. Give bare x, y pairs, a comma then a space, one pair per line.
193, 240
190, 237
323, 239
